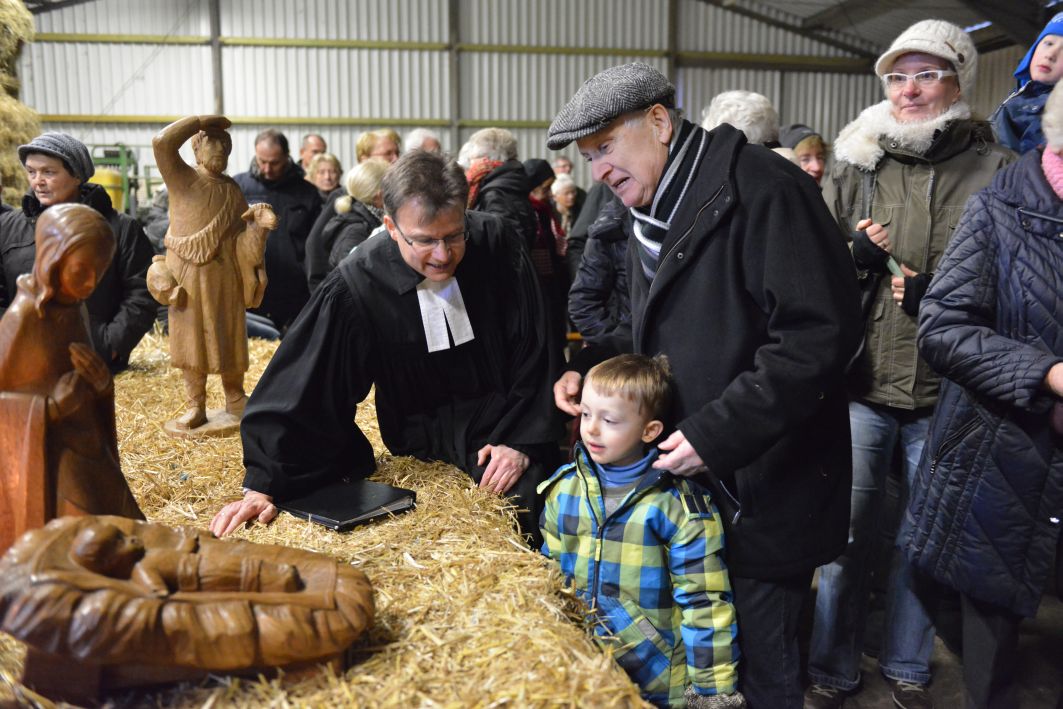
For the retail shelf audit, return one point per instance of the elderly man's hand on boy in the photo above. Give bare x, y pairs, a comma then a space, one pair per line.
566, 392
714, 701
679, 457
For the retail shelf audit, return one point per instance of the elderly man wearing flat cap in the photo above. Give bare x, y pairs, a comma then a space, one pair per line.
738, 275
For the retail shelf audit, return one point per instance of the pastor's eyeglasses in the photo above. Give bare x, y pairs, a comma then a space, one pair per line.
896, 80
426, 244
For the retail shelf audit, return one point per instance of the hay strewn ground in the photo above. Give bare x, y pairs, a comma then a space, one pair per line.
467, 617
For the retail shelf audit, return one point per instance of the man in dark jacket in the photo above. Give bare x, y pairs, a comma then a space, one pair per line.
737, 275
599, 196
120, 309
598, 301
275, 179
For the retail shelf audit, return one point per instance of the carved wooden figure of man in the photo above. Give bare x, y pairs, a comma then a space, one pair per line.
213, 268
58, 443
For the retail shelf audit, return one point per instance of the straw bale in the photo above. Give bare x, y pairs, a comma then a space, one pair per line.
16, 27
18, 123
467, 616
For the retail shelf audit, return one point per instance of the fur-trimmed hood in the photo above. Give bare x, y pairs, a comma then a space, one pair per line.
861, 142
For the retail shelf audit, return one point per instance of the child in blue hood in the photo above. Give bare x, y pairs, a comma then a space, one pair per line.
1017, 121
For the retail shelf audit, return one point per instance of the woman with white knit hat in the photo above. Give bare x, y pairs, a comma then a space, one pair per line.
903, 171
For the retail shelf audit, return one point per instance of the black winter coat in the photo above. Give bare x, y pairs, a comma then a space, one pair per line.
985, 508
120, 309
755, 302
504, 193
598, 300
599, 196
325, 248
296, 204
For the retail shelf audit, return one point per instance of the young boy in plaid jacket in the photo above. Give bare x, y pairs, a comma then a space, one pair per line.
643, 548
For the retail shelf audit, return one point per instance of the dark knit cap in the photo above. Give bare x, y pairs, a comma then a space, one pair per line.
790, 136
538, 171
67, 148
606, 96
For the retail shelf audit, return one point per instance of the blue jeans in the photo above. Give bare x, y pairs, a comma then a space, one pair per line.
841, 600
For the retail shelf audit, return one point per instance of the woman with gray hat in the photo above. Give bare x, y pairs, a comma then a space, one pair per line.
120, 309
904, 169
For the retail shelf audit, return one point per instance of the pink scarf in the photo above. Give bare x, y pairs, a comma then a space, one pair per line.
1052, 164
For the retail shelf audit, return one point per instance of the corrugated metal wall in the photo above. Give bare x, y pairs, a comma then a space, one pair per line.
995, 79
506, 69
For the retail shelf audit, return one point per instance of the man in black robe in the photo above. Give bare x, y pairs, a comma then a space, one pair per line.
446, 320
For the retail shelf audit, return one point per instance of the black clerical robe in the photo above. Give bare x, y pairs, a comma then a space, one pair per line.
362, 327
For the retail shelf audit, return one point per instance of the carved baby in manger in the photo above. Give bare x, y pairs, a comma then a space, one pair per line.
213, 269
108, 603
58, 443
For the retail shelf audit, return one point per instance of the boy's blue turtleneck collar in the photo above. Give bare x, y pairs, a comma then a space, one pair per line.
617, 476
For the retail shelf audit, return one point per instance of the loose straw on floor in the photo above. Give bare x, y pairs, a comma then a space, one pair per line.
467, 616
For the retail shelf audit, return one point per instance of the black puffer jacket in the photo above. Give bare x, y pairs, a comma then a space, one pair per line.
599, 196
598, 300
296, 204
120, 309
985, 507
328, 246
504, 193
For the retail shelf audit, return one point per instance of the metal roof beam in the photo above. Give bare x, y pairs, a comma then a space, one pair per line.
1021, 20
851, 12
42, 6
733, 6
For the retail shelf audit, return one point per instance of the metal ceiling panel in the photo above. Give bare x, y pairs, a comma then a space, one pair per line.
628, 24
335, 83
397, 20
115, 79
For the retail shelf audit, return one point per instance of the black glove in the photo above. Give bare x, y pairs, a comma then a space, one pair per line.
866, 255
914, 290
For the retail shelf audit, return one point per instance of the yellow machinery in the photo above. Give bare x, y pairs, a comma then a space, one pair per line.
118, 170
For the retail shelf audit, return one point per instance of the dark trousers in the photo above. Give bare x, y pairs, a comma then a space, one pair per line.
990, 648
769, 672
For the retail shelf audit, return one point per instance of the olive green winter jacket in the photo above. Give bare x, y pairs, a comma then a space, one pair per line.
918, 195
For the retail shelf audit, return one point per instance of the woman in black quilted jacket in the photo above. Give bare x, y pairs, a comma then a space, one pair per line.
984, 517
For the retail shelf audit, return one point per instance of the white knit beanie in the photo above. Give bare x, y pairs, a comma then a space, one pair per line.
941, 39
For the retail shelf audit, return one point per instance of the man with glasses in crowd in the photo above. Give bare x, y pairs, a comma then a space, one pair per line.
445, 319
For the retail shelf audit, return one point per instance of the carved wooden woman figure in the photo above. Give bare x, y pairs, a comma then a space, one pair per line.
57, 428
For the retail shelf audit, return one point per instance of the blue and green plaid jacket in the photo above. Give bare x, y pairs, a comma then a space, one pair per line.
652, 574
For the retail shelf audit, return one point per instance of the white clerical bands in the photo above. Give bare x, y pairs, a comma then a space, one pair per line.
442, 305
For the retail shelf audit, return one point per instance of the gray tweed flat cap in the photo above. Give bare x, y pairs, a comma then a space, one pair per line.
67, 148
605, 96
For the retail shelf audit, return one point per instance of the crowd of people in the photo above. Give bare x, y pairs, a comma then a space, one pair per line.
770, 324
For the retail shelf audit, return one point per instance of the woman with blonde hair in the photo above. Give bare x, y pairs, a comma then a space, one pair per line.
383, 143
324, 173
355, 215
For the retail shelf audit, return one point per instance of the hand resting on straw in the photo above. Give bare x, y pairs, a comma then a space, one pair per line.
255, 505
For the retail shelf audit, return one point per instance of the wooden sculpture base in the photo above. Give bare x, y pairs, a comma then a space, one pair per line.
62, 679
219, 423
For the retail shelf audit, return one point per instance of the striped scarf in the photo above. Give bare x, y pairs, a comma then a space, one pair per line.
688, 147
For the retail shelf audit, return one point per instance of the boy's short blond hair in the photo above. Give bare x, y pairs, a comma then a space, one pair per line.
645, 380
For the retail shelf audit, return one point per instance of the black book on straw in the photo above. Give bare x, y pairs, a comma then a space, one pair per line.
346, 504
